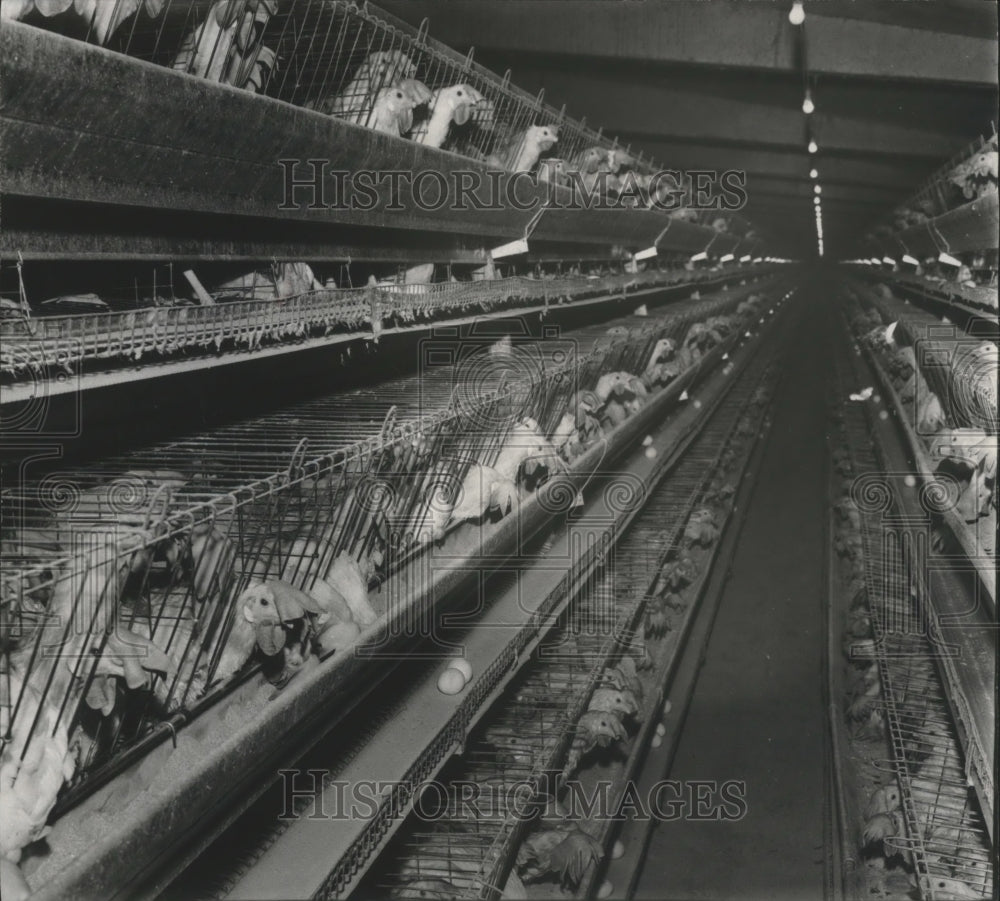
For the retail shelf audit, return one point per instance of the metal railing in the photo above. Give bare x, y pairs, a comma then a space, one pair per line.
36, 344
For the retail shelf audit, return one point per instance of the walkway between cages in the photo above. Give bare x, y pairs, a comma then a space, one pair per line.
757, 713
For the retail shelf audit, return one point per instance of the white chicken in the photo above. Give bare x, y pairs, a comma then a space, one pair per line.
346, 577
225, 47
522, 152
483, 490
448, 106
101, 15
392, 112
35, 763
381, 68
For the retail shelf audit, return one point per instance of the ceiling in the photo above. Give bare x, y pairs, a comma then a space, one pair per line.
899, 88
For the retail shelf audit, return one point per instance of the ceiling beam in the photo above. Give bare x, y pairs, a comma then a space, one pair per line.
743, 35
658, 107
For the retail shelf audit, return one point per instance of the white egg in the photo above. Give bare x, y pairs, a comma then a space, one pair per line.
661, 730
648, 440
606, 889
657, 741
451, 681
668, 707
463, 666
617, 850
650, 453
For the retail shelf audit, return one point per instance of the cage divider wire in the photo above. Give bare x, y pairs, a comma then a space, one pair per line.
907, 670
618, 632
240, 523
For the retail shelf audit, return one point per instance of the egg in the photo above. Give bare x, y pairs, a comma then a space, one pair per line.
668, 707
463, 666
650, 453
606, 889
617, 850
451, 681
657, 741
648, 440
661, 730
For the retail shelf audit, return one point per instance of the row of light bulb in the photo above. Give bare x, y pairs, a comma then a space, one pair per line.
797, 15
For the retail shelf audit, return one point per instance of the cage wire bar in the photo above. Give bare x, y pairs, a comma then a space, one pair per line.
940, 193
162, 542
368, 68
39, 343
332, 56
524, 739
945, 839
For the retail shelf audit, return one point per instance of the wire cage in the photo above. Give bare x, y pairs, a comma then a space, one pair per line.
122, 581
44, 343
509, 781
940, 833
346, 59
965, 177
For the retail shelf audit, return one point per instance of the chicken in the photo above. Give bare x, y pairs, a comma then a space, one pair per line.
345, 576
483, 490
561, 850
663, 350
677, 574
553, 171
701, 528
588, 171
621, 702
35, 762
209, 559
593, 729
524, 451
133, 658
392, 111
448, 106
102, 16
930, 415
225, 47
13, 885
291, 279
380, 69
611, 384
523, 150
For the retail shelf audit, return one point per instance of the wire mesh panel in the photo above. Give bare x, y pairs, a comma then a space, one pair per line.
42, 344
509, 783
936, 821
345, 59
125, 585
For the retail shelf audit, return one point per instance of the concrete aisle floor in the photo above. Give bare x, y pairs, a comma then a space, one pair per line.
757, 710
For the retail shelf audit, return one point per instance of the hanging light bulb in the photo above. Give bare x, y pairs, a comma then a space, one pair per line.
814, 173
817, 189
816, 200
797, 15
813, 147
808, 107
